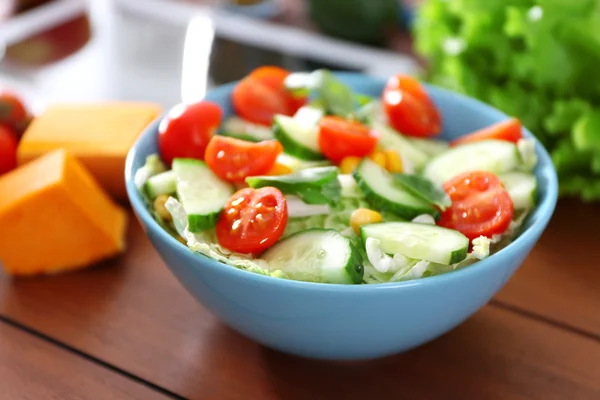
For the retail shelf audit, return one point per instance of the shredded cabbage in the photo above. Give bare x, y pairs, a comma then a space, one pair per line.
206, 243
424, 219
381, 261
526, 149
153, 166
298, 208
338, 218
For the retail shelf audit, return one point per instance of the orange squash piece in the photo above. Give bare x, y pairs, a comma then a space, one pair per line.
55, 217
98, 134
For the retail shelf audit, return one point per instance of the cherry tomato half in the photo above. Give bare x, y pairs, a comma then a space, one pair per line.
270, 75
509, 130
233, 160
8, 150
187, 129
261, 95
12, 111
409, 108
252, 220
481, 206
339, 138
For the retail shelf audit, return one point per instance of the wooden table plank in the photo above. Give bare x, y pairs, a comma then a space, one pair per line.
31, 368
560, 280
133, 314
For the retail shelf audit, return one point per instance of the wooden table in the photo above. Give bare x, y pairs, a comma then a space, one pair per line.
128, 330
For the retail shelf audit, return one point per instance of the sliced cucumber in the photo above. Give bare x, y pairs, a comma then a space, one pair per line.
297, 164
308, 115
163, 183
316, 255
522, 188
411, 155
201, 193
381, 191
431, 147
371, 113
349, 187
314, 185
496, 156
298, 139
245, 130
299, 84
152, 166
419, 241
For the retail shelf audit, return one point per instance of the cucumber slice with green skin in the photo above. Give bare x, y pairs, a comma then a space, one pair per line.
298, 84
431, 147
371, 113
522, 188
163, 183
411, 155
297, 139
419, 241
309, 115
313, 186
349, 187
297, 164
316, 255
384, 194
495, 156
239, 128
201, 193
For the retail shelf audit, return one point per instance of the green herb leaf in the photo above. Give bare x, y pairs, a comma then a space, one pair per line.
424, 189
329, 92
313, 185
338, 98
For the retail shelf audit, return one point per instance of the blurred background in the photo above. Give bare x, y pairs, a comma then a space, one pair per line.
534, 59
137, 49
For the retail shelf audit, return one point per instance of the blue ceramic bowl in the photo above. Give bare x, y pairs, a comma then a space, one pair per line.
348, 321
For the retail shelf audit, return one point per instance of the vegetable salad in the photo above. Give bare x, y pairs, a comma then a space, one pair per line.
311, 181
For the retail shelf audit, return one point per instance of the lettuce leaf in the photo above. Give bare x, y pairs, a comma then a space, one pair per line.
533, 59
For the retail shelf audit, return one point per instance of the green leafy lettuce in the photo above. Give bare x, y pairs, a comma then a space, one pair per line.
534, 59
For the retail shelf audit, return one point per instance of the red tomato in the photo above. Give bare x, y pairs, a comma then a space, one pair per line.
12, 110
233, 160
409, 108
339, 138
261, 95
509, 130
187, 129
252, 220
270, 75
8, 150
481, 206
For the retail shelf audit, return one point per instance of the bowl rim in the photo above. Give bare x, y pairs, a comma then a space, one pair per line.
543, 212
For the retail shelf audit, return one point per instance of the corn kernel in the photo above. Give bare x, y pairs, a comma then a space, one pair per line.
279, 169
363, 216
159, 206
379, 158
349, 164
393, 162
